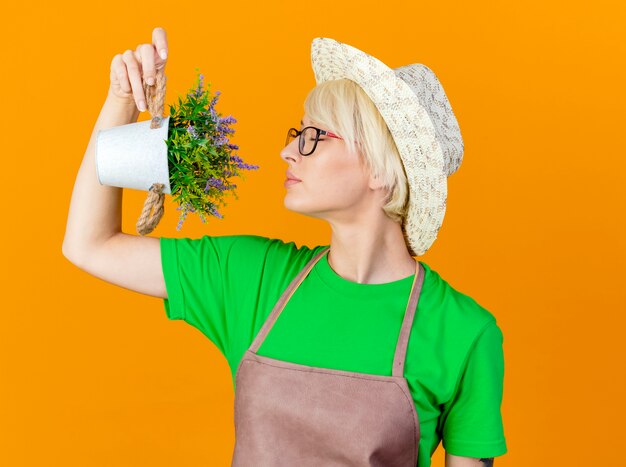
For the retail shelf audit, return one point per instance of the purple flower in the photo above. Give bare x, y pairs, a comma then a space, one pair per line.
186, 209
213, 182
214, 211
200, 84
215, 99
225, 130
220, 140
241, 164
222, 125
227, 120
219, 184
192, 131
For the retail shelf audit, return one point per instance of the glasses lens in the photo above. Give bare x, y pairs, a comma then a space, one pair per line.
307, 140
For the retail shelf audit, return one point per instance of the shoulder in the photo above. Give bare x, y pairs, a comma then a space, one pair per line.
275, 250
282, 260
453, 315
452, 302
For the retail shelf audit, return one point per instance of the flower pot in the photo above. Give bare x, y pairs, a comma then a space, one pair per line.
133, 156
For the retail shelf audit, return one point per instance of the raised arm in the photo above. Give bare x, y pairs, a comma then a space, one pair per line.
94, 240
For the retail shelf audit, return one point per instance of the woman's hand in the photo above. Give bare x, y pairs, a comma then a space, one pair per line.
130, 69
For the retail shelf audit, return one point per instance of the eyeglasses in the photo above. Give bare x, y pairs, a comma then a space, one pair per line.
309, 137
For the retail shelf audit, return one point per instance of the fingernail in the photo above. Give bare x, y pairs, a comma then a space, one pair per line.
150, 81
142, 106
163, 54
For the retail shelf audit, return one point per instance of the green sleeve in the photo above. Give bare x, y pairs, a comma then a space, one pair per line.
199, 273
473, 422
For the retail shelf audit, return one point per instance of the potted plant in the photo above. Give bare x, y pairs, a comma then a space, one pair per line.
187, 154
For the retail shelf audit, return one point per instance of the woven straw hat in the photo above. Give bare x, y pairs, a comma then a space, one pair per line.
414, 105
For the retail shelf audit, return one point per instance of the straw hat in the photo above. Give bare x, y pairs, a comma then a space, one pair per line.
414, 105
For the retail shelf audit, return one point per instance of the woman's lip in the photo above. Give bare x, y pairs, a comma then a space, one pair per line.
291, 181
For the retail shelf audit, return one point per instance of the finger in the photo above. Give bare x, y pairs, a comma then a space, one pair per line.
146, 51
134, 76
119, 75
138, 58
159, 40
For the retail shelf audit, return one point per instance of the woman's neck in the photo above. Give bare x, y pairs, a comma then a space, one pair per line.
371, 254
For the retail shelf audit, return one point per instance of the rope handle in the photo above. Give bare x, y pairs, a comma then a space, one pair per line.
155, 96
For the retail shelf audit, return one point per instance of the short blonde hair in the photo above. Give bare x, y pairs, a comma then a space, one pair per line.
345, 108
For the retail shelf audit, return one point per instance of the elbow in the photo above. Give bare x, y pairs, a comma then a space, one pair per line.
70, 254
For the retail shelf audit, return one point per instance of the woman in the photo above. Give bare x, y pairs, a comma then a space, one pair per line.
333, 361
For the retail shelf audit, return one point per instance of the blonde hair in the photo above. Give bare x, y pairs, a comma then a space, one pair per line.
345, 108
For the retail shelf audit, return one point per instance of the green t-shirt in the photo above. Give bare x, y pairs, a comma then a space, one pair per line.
226, 286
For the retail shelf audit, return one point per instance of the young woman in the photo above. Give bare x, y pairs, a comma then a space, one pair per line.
351, 353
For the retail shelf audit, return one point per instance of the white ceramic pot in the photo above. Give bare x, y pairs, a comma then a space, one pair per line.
133, 156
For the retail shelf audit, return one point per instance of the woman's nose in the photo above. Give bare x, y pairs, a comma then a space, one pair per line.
290, 152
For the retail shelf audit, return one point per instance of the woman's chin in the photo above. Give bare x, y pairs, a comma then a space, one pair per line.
292, 204
289, 204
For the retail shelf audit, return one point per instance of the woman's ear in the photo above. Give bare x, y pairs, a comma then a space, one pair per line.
375, 183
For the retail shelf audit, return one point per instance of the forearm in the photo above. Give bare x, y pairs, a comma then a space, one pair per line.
457, 461
95, 212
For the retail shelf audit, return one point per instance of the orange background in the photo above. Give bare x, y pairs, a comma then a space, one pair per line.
94, 374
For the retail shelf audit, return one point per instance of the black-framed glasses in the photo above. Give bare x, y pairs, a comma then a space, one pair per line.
309, 137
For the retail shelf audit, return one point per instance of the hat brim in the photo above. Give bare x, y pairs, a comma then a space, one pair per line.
410, 125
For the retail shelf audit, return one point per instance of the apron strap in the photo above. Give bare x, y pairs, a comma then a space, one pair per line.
269, 322
409, 314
